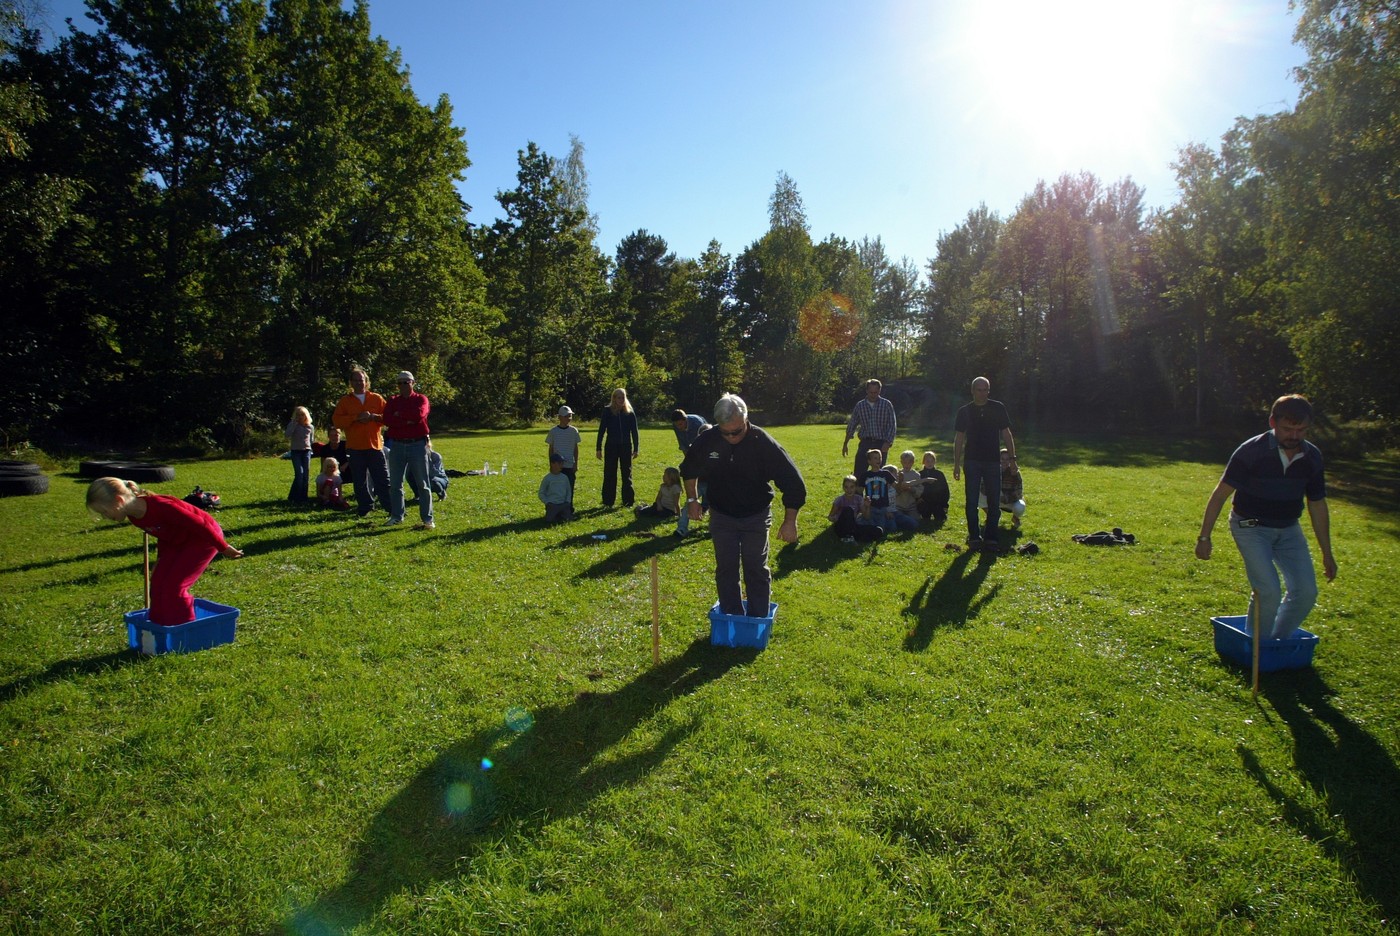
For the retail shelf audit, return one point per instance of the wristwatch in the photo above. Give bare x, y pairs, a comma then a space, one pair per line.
692, 500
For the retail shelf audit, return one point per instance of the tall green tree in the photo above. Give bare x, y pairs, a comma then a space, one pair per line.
359, 230
954, 294
1214, 331
709, 359
774, 278
1331, 166
547, 277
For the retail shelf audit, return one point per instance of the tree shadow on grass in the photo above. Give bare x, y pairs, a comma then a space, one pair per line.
63, 669
1352, 773
510, 780
950, 601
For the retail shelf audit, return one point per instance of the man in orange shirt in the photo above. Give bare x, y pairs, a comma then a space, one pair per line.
360, 414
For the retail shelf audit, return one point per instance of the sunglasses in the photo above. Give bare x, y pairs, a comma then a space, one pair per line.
737, 432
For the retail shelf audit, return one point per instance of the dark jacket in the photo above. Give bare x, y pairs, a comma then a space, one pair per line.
738, 476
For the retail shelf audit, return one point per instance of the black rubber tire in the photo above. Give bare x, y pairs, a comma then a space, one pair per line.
20, 485
96, 469
11, 467
142, 472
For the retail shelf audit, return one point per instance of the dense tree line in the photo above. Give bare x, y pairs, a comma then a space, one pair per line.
212, 209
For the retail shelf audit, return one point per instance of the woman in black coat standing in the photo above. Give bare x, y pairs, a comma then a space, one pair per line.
617, 446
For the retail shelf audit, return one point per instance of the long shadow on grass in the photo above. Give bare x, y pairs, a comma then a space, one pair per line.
623, 561
63, 669
820, 554
949, 601
512, 780
1352, 773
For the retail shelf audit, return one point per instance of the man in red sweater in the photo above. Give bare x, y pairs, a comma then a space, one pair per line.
406, 424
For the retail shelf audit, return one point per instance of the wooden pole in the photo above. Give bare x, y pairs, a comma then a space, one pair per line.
655, 617
1254, 638
146, 549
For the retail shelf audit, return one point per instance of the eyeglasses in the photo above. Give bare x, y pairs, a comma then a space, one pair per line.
728, 434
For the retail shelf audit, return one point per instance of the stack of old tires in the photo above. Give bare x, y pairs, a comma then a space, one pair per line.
18, 478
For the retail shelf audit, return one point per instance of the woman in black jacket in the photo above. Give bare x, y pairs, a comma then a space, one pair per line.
617, 438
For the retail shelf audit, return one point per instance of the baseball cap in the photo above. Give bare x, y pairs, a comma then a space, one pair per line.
565, 411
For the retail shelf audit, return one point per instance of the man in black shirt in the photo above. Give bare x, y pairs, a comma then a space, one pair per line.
737, 461
982, 428
1271, 477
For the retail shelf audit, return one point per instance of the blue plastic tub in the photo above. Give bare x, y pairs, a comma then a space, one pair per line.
740, 630
213, 624
1232, 642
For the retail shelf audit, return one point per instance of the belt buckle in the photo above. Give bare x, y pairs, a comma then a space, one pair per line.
1248, 522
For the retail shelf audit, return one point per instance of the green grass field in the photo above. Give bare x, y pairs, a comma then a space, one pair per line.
462, 731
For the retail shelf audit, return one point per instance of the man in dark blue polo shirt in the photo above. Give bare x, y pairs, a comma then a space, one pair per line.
1271, 476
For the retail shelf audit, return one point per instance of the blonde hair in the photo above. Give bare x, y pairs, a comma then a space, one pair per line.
626, 404
907, 453
329, 465
301, 416
850, 479
107, 492
928, 455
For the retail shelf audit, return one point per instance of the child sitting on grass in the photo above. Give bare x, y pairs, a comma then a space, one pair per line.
933, 501
668, 496
328, 491
908, 486
555, 491
846, 515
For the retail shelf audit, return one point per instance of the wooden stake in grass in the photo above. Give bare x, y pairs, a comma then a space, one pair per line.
655, 618
1254, 637
146, 549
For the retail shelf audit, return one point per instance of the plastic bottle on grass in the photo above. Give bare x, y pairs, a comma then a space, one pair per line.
503, 467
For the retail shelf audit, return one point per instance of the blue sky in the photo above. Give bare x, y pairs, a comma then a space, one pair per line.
893, 117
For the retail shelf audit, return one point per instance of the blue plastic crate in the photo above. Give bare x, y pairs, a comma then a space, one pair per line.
1232, 642
213, 624
740, 630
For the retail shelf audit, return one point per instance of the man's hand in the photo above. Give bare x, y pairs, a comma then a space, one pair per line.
1329, 566
788, 531
1202, 549
598, 454
693, 508
957, 472
844, 446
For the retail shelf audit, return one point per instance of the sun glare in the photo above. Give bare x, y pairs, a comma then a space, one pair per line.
1076, 76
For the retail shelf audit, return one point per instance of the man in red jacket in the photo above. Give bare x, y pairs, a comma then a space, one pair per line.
406, 424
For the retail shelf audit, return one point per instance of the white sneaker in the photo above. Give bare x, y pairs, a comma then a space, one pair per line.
427, 525
392, 522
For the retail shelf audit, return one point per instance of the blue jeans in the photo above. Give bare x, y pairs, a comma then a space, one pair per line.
301, 476
741, 543
1267, 551
982, 477
410, 457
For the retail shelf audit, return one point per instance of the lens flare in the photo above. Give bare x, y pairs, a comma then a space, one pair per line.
829, 322
519, 720
459, 799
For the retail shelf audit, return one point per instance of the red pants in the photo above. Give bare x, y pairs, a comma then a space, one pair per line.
176, 571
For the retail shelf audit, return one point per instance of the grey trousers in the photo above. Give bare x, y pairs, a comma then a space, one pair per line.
741, 543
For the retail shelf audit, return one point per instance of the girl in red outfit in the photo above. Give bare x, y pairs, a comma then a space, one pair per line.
188, 540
